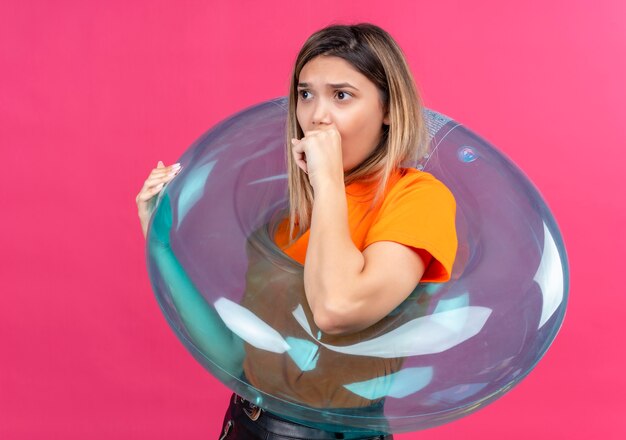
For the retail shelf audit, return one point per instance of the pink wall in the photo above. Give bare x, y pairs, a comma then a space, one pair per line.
93, 94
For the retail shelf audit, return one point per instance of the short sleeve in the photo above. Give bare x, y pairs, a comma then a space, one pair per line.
419, 211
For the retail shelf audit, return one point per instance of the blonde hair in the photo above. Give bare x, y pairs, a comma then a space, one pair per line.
374, 53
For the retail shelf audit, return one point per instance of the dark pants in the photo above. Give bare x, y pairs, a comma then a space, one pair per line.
244, 420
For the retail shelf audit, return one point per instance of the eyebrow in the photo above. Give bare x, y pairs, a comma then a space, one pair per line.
343, 85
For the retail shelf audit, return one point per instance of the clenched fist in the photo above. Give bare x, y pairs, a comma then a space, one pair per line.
318, 154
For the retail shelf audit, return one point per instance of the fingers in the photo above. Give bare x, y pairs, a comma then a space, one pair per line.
148, 193
160, 177
155, 182
326, 136
163, 174
163, 170
298, 154
321, 129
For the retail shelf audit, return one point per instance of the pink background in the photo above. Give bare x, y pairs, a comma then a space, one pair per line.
93, 94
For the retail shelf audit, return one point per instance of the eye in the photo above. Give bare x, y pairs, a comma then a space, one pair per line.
304, 94
342, 95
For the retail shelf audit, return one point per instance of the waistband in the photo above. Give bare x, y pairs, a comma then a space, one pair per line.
258, 420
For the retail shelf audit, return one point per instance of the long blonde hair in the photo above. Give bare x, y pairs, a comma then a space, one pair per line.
374, 53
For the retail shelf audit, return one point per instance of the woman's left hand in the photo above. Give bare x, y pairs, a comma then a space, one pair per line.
318, 154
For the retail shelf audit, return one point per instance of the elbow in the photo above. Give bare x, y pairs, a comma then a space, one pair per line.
327, 323
335, 319
335, 309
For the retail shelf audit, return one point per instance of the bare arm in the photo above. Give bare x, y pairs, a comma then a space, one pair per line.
348, 290
205, 327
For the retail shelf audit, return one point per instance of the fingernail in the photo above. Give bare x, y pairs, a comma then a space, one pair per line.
176, 165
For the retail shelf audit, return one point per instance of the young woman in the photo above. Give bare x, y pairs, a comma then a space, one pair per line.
366, 229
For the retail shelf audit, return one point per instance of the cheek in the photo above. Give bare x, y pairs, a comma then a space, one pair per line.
347, 125
302, 116
357, 129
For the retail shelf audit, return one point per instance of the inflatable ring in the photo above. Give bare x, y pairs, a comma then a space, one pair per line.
237, 301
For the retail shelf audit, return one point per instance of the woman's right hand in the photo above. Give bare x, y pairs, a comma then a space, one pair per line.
151, 187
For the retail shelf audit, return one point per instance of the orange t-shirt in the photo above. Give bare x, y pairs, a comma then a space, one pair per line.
417, 211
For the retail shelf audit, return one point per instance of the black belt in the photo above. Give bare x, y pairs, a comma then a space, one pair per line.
245, 420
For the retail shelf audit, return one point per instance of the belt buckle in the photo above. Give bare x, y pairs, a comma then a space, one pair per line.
253, 413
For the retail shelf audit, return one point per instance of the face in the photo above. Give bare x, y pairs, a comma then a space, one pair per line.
330, 90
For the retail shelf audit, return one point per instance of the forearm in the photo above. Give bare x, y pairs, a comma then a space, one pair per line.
333, 263
202, 322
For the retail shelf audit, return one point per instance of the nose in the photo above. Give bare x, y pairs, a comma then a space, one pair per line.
321, 113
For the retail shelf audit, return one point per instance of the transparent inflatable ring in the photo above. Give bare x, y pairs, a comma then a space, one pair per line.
237, 303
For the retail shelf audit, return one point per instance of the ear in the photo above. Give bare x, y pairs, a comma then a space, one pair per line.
386, 118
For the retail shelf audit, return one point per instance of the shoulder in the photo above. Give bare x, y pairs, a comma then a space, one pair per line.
419, 186
420, 212
413, 176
